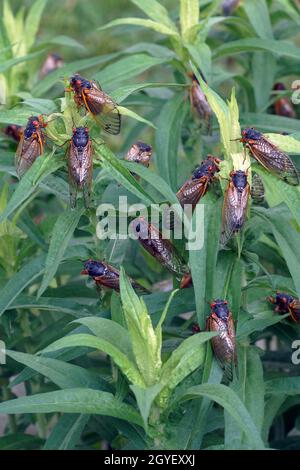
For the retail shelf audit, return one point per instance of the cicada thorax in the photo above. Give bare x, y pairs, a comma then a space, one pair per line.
283, 106
228, 6
107, 276
199, 104
235, 205
88, 94
80, 165
161, 249
286, 303
257, 189
139, 152
198, 184
14, 131
31, 144
52, 62
270, 156
220, 320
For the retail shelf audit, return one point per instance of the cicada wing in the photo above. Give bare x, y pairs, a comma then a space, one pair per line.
86, 186
274, 160
192, 191
26, 154
224, 344
72, 163
234, 211
104, 110
295, 310
257, 189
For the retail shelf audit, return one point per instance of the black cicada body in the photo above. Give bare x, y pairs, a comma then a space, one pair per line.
80, 165
286, 303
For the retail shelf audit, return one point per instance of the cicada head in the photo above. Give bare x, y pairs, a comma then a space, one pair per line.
139, 152
220, 308
282, 302
250, 134
80, 137
94, 268
239, 179
78, 83
207, 168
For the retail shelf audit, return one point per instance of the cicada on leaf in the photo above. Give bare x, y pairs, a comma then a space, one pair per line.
107, 276
161, 249
14, 131
286, 303
220, 320
88, 94
235, 205
31, 144
80, 165
198, 184
228, 6
270, 156
199, 103
139, 152
283, 106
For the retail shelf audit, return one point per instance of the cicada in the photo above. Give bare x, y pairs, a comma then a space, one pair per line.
283, 106
197, 185
140, 153
53, 62
31, 144
80, 165
14, 131
199, 103
161, 249
270, 156
228, 6
88, 94
224, 345
107, 276
235, 205
286, 303
257, 189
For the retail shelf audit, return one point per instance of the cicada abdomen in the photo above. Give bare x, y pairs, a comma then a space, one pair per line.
53, 62
283, 106
107, 276
286, 303
14, 131
31, 144
140, 152
161, 249
257, 189
235, 205
198, 184
220, 320
199, 104
228, 6
88, 94
80, 165
270, 156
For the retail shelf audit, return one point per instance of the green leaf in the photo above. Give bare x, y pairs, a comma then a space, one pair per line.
189, 16
42, 167
258, 15
283, 386
67, 306
145, 398
65, 41
168, 137
145, 343
61, 373
270, 123
126, 68
155, 11
67, 432
123, 92
20, 442
279, 48
127, 367
133, 115
23, 278
32, 22
158, 27
61, 236
189, 355
75, 400
230, 401
286, 143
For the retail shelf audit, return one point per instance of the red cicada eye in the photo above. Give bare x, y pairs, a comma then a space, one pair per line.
74, 130
213, 305
36, 123
210, 168
225, 302
86, 129
78, 82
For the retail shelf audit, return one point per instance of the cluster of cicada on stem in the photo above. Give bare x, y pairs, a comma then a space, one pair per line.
89, 96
